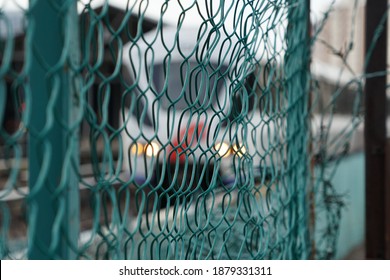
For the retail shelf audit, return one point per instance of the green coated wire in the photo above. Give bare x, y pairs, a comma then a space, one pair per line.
131, 90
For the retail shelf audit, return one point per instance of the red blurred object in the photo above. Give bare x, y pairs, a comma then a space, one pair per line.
185, 136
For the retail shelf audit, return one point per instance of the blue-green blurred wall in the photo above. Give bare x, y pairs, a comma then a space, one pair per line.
349, 179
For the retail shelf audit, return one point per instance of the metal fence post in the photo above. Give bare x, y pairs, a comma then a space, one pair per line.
53, 203
375, 132
296, 69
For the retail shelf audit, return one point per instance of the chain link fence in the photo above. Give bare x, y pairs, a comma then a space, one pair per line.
170, 130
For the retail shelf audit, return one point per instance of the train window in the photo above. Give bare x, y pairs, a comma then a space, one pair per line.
199, 90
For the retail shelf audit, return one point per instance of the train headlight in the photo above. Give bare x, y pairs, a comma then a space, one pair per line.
239, 150
149, 149
223, 149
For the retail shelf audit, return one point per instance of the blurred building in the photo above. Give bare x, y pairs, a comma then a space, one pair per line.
338, 52
340, 43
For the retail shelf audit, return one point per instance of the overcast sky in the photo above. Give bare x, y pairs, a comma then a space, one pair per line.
317, 5
172, 13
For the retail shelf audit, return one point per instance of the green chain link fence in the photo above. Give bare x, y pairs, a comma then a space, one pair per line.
165, 130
